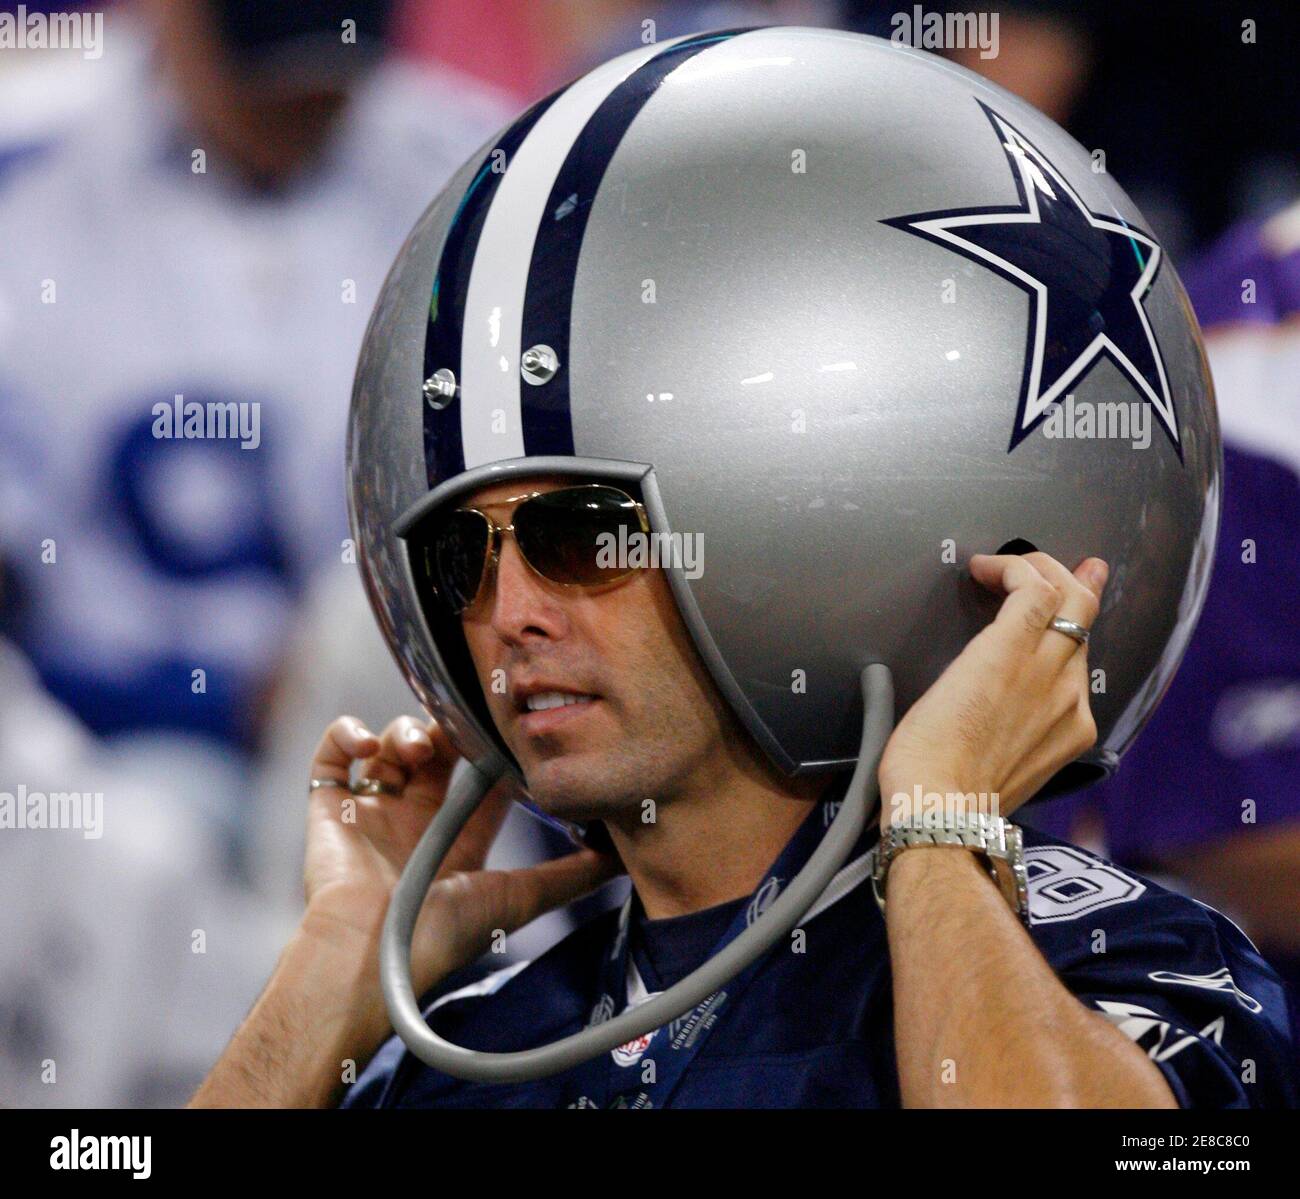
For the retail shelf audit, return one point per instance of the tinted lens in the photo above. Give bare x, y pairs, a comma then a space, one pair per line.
573, 535
456, 556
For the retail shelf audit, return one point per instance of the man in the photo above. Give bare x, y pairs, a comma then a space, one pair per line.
653, 727
696, 298
1041, 1019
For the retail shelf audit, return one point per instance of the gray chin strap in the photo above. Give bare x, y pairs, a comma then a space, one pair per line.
468, 787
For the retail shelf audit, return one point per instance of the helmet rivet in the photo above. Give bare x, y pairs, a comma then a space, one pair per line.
440, 388
539, 364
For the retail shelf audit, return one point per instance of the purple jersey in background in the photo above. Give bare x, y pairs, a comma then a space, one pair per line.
1228, 729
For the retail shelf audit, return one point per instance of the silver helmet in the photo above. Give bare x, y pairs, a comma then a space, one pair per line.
842, 312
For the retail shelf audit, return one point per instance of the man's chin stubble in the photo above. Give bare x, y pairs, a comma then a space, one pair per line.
582, 794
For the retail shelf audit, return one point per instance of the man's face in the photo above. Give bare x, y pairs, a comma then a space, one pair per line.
650, 723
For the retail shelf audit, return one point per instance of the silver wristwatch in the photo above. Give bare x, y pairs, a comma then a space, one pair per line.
1000, 844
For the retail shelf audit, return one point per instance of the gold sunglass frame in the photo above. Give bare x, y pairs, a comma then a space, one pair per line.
496, 532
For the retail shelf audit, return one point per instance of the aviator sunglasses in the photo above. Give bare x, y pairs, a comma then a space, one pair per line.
559, 535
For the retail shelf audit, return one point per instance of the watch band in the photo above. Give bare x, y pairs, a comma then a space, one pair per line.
998, 842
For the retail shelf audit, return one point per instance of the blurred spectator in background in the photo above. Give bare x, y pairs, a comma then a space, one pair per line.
125, 958
207, 213
214, 227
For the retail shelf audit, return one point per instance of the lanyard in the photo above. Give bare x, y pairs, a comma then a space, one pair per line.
645, 1072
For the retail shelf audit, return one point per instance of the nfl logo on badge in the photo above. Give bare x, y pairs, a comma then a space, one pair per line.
630, 1053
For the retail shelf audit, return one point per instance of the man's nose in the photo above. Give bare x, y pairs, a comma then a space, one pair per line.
522, 603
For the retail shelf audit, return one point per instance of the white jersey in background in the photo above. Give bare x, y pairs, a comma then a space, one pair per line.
128, 279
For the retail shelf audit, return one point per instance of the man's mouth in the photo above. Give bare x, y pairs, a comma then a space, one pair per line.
543, 701
552, 712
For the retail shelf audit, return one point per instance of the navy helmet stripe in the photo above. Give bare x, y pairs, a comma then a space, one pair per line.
444, 451
548, 303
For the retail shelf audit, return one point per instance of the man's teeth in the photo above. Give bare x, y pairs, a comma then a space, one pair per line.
554, 699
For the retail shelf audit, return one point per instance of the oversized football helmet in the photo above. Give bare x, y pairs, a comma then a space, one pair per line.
843, 310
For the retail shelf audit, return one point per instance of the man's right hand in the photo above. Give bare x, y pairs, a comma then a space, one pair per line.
323, 1007
357, 846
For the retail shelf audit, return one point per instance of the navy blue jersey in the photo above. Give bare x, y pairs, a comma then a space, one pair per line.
816, 1028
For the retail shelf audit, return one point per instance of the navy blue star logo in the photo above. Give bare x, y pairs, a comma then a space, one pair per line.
1085, 273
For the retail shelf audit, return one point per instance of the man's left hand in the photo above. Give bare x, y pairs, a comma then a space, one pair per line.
1012, 708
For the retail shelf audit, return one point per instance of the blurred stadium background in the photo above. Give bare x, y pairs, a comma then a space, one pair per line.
207, 209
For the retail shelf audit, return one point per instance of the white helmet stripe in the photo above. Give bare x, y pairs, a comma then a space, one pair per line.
490, 418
